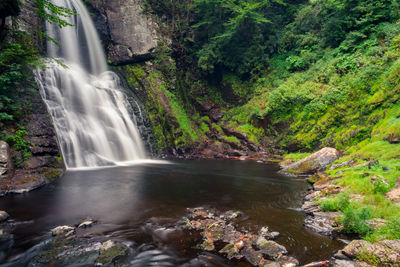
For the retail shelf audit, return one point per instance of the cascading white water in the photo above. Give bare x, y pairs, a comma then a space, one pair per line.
94, 121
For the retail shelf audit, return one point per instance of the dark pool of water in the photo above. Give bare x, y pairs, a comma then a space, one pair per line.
123, 199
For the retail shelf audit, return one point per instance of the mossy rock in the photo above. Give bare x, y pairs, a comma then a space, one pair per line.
317, 177
314, 163
111, 254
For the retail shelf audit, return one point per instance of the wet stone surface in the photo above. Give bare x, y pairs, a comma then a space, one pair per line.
220, 233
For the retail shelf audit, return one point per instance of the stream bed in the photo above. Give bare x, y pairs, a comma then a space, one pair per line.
124, 199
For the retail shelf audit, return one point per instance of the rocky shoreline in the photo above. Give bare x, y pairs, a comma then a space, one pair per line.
357, 252
31, 157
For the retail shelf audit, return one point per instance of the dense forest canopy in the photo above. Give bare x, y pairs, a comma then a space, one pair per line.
241, 36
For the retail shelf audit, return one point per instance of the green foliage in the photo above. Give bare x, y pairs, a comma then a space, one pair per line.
19, 54
53, 13
18, 142
355, 218
232, 34
296, 156
231, 139
15, 60
204, 128
217, 127
391, 230
307, 74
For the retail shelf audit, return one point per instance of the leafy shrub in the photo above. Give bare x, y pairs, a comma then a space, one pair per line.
355, 218
381, 187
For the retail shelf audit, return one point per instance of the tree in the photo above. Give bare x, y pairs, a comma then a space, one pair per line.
20, 52
234, 34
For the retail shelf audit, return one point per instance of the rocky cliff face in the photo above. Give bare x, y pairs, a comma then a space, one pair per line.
32, 157
127, 34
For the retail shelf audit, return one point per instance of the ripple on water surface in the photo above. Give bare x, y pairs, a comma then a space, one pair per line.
124, 199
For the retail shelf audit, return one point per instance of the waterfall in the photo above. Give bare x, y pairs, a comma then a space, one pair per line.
93, 118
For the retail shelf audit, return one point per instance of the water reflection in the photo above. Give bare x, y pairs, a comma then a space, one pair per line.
125, 198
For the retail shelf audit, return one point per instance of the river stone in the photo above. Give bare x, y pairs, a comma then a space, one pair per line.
3, 216
110, 251
87, 223
270, 248
315, 162
61, 230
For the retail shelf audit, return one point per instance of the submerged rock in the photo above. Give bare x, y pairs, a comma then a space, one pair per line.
87, 223
68, 247
110, 251
313, 163
3, 216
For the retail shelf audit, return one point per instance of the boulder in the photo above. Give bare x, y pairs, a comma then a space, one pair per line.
386, 252
313, 163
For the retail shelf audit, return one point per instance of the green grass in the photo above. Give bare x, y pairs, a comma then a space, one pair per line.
391, 230
204, 128
217, 128
296, 156
231, 139
185, 123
